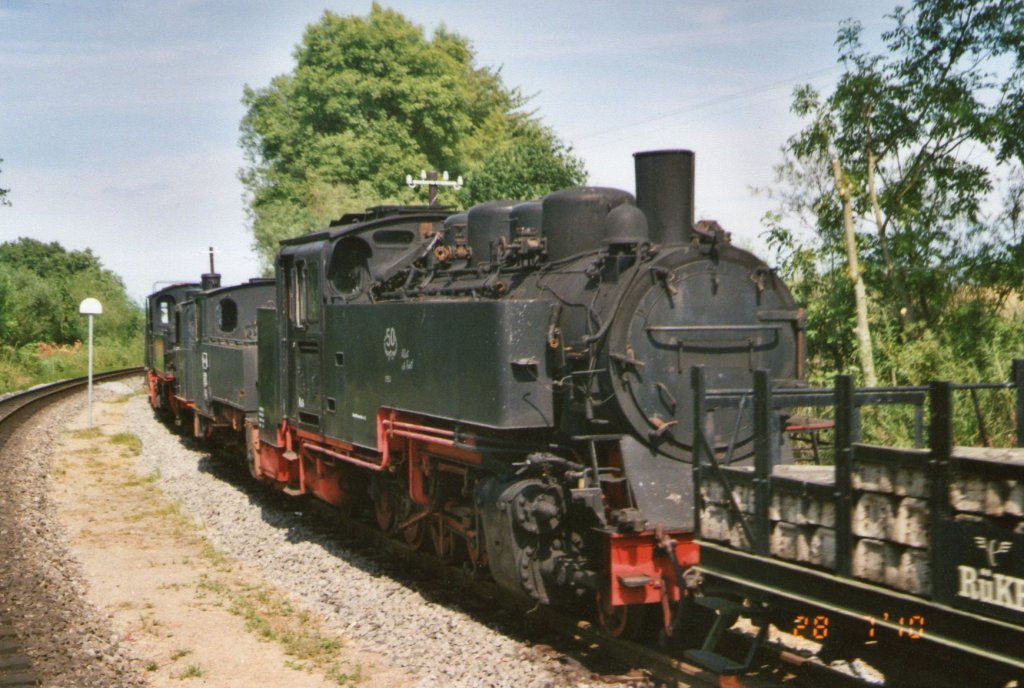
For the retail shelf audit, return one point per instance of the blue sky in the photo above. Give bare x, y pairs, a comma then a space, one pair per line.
119, 120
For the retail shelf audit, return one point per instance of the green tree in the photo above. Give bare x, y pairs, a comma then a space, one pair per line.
925, 133
372, 99
528, 165
41, 286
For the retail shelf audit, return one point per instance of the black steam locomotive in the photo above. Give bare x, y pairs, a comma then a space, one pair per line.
535, 388
510, 383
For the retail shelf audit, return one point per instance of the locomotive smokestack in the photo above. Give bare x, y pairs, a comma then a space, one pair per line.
664, 191
211, 279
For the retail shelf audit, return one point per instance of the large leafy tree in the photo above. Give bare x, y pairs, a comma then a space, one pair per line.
372, 99
529, 164
41, 286
928, 137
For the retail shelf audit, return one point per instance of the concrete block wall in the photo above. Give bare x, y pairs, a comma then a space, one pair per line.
888, 563
982, 489
977, 494
890, 523
718, 520
814, 545
802, 527
803, 519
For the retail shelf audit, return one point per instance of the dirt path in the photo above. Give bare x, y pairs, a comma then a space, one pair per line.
191, 615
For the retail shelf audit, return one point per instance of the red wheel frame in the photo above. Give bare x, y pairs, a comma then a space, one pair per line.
442, 539
384, 508
623, 621
415, 532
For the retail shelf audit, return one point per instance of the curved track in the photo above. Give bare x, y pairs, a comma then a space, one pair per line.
15, 667
16, 407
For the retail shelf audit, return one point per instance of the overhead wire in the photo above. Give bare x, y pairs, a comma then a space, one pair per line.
719, 100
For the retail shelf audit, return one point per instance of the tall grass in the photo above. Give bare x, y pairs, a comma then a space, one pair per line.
973, 345
35, 364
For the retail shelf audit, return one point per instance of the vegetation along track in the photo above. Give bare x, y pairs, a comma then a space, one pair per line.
15, 409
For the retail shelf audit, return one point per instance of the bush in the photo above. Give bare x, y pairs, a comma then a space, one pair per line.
34, 364
973, 343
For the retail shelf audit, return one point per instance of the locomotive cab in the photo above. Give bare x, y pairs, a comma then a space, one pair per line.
163, 328
217, 354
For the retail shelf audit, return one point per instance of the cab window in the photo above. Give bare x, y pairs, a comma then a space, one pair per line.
227, 315
297, 297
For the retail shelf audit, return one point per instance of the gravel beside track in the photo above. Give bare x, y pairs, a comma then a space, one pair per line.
69, 642
435, 643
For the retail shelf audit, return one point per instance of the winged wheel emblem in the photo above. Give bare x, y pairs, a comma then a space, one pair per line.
992, 548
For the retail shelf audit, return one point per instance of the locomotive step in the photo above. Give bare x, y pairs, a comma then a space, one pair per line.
727, 611
707, 658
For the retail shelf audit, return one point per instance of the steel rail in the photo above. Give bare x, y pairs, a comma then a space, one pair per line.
658, 667
663, 669
12, 404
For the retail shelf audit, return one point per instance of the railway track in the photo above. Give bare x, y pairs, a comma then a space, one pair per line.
558, 633
579, 636
16, 407
15, 666
641, 664
616, 661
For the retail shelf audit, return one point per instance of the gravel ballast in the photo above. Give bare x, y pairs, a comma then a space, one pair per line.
69, 642
437, 644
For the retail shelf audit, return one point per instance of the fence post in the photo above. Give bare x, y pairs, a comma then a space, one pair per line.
940, 443
763, 450
1018, 383
845, 409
